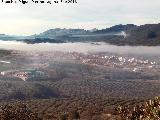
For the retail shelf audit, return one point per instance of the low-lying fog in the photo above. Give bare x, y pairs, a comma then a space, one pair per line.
79, 47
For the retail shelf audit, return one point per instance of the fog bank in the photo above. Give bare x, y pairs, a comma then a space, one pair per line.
79, 47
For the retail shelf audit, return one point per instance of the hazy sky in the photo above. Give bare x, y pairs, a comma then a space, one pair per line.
35, 18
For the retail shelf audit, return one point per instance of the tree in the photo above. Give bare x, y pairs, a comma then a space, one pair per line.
63, 116
75, 115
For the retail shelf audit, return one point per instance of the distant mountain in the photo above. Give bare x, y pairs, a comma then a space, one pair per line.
116, 28
148, 34
11, 37
53, 33
93, 30
129, 34
74, 35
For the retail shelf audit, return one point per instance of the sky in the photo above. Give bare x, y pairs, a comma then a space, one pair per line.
28, 19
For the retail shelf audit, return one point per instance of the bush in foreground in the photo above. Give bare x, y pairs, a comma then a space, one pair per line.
149, 110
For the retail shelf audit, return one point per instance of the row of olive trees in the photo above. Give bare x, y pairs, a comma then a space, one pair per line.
21, 111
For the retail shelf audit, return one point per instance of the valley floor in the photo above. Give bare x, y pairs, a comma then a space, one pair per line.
90, 86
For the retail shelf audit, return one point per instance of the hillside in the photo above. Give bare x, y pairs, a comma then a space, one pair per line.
116, 28
53, 33
145, 35
148, 34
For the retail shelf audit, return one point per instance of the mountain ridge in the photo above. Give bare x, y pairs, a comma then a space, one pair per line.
129, 34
